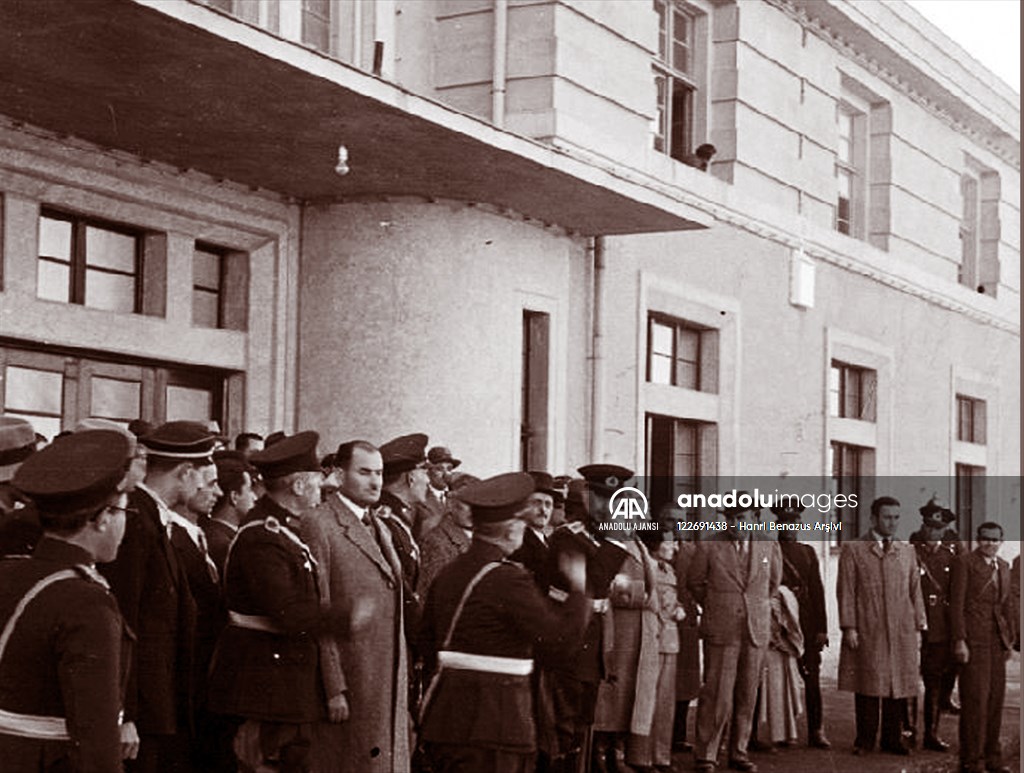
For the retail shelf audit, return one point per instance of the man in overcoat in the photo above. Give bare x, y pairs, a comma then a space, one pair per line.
881, 613
364, 663
733, 578
983, 633
451, 538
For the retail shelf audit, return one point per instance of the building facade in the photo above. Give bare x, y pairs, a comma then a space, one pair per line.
480, 219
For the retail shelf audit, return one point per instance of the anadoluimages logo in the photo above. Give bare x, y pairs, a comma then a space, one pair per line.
629, 504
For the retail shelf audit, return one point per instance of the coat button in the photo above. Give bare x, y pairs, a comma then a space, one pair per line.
277, 656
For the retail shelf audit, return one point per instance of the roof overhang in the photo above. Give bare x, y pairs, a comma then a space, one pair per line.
179, 83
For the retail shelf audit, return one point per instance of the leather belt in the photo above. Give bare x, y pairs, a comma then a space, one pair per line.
490, 664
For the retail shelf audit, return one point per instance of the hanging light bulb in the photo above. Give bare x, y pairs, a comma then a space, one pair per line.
341, 168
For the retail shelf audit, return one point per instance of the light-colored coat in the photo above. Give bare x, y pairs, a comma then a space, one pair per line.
370, 663
880, 596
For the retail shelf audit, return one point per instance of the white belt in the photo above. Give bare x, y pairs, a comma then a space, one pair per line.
253, 622
490, 664
39, 728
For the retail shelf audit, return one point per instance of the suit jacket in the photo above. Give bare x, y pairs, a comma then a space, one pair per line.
218, 539
270, 675
427, 515
980, 609
801, 574
880, 596
438, 549
368, 664
68, 656
535, 556
735, 600
153, 594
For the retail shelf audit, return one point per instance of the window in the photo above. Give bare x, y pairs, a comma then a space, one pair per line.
676, 77
970, 420
849, 165
970, 497
851, 471
533, 445
207, 279
682, 457
35, 395
680, 353
979, 228
851, 392
316, 24
88, 262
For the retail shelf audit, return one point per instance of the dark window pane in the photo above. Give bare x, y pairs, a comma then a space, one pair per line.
109, 249
53, 281
110, 292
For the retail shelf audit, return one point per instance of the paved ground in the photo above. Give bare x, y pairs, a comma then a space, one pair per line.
839, 726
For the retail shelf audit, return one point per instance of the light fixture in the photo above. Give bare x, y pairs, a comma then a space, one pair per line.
341, 168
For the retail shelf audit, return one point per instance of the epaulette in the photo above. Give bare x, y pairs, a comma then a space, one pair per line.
271, 524
87, 572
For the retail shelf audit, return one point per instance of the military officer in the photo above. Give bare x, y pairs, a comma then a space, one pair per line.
266, 667
801, 574
482, 620
64, 647
935, 557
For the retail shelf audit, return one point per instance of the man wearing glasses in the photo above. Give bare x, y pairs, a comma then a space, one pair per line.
982, 637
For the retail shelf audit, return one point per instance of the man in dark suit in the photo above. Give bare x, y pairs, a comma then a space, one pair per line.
483, 620
440, 465
63, 667
982, 639
801, 574
238, 496
266, 666
535, 551
733, 578
153, 593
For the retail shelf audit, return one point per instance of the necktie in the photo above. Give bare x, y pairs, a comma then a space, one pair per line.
887, 544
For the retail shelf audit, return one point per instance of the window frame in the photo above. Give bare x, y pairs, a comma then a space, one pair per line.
866, 391
77, 263
673, 142
222, 255
849, 166
972, 412
702, 381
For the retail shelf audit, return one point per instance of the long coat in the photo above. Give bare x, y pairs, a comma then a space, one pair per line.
67, 657
440, 547
880, 596
153, 594
368, 664
688, 665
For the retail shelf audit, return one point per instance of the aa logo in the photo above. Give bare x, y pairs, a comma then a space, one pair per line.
629, 504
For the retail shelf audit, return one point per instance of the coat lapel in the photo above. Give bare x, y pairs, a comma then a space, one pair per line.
354, 531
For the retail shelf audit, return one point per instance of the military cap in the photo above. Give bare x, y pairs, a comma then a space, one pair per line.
439, 454
140, 427
292, 453
404, 453
17, 443
787, 513
273, 437
499, 498
605, 478
76, 472
232, 460
183, 440
543, 483
935, 513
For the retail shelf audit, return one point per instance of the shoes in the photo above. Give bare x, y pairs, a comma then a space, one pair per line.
705, 766
935, 744
818, 740
746, 766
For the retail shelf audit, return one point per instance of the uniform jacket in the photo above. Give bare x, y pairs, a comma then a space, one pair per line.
735, 600
980, 610
68, 657
218, 540
370, 664
270, 676
427, 515
535, 556
880, 596
154, 596
936, 578
396, 517
802, 575
505, 616
439, 548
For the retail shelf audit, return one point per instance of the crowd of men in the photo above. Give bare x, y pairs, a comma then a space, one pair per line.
168, 604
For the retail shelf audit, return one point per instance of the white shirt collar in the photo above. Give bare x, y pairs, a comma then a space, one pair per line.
358, 511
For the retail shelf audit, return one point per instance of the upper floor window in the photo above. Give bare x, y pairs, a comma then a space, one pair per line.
979, 228
316, 24
852, 391
207, 279
680, 353
849, 170
970, 419
89, 262
677, 78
